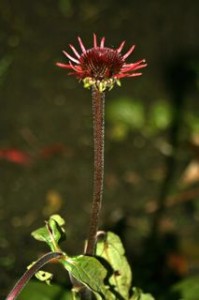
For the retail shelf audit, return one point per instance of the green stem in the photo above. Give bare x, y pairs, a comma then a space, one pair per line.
98, 100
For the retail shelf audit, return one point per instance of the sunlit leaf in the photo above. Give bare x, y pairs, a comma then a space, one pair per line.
42, 275
139, 295
56, 226
51, 233
41, 234
89, 271
60, 221
109, 247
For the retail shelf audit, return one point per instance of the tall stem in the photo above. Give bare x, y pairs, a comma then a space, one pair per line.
98, 100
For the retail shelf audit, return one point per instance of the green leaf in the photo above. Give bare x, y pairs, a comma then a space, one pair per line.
51, 233
89, 271
188, 288
109, 247
60, 221
39, 291
42, 275
56, 227
139, 295
41, 234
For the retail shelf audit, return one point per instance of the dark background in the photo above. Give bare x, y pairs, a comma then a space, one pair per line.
152, 134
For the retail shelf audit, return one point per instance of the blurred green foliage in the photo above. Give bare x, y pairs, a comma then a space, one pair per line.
5, 63
127, 115
65, 7
39, 291
188, 288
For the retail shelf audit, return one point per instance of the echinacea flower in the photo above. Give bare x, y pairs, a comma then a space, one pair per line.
101, 66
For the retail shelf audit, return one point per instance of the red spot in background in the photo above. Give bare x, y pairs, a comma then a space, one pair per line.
15, 156
55, 149
20, 157
177, 263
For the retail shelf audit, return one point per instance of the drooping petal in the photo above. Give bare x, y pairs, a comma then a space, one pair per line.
65, 66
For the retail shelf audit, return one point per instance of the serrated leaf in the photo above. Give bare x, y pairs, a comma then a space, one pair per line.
109, 247
139, 295
89, 271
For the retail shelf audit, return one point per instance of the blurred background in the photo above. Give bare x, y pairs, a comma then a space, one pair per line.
151, 188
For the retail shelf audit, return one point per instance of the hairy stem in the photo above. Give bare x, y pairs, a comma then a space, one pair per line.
21, 283
98, 100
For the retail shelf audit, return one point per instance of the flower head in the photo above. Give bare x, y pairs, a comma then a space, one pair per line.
101, 66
